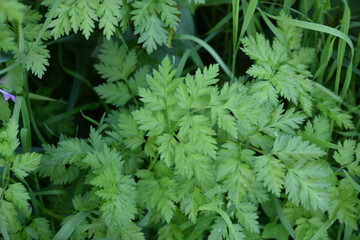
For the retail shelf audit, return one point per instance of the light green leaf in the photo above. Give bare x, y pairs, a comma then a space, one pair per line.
170, 232
152, 122
25, 164
308, 185
286, 146
17, 194
36, 58
114, 93
271, 172
8, 138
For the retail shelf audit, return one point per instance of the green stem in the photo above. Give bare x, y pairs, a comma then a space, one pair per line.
51, 214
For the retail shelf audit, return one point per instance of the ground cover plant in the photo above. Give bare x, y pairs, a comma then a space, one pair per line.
206, 119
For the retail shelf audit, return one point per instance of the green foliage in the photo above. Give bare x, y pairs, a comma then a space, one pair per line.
157, 193
110, 193
182, 151
306, 228
24, 41
15, 206
171, 232
281, 67
11, 10
345, 204
155, 21
118, 63
82, 15
181, 127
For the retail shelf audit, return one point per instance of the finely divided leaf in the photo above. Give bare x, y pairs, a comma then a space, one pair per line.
285, 122
345, 205
157, 193
152, 122
42, 228
25, 164
346, 153
199, 132
191, 198
154, 20
116, 94
247, 216
152, 32
116, 62
109, 14
287, 146
341, 118
119, 197
133, 136
8, 138
170, 232
271, 172
308, 185
167, 145
319, 128
18, 195
36, 58
306, 228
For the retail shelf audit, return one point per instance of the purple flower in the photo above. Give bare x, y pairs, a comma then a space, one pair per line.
7, 96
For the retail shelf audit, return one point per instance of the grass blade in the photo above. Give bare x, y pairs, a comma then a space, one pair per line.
208, 48
342, 46
250, 10
323, 229
68, 228
274, 29
38, 97
315, 27
355, 184
324, 59
281, 215
223, 214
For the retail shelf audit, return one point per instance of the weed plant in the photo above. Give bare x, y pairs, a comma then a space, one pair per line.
188, 119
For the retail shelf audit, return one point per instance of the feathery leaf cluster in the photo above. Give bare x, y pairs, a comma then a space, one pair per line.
15, 197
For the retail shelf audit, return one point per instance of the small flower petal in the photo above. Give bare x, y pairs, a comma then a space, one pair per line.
7, 96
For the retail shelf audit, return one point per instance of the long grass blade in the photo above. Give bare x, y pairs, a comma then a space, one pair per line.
324, 59
208, 48
323, 229
342, 47
223, 214
355, 184
248, 16
315, 27
282, 217
276, 32
68, 228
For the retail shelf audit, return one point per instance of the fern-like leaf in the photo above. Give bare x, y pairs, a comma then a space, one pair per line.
307, 185
36, 58
110, 15
247, 216
271, 172
18, 195
191, 198
306, 228
170, 232
116, 94
116, 62
157, 193
286, 146
345, 204
152, 20
8, 138
25, 164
